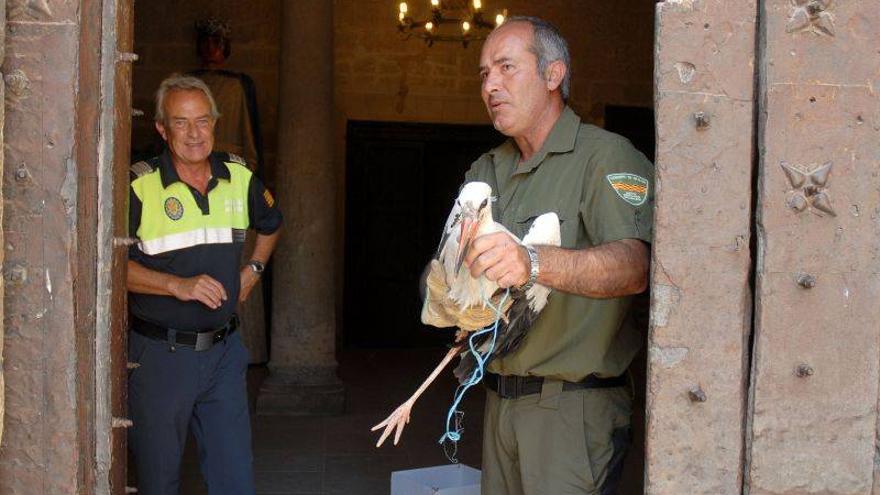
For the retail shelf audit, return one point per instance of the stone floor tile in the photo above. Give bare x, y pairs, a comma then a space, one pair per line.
289, 483
275, 460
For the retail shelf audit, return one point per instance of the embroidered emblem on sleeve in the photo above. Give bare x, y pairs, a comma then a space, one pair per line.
630, 187
270, 201
173, 208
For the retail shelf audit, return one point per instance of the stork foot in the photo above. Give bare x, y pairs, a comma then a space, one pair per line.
394, 422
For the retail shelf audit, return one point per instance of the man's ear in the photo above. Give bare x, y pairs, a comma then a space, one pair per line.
160, 128
555, 74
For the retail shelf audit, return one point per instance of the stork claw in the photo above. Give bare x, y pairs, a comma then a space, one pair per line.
395, 422
398, 419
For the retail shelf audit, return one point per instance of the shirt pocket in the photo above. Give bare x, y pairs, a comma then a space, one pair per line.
525, 217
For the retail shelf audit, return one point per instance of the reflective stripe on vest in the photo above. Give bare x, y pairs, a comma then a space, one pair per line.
171, 219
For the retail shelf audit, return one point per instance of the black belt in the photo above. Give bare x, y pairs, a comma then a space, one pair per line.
200, 340
514, 387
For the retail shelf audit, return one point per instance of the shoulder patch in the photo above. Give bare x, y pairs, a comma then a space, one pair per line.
237, 159
140, 169
267, 196
631, 188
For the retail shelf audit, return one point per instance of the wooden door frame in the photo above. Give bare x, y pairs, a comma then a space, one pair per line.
112, 127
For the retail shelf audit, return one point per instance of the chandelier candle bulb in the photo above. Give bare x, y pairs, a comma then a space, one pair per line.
439, 25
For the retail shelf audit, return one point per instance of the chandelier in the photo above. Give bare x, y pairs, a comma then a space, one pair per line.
459, 21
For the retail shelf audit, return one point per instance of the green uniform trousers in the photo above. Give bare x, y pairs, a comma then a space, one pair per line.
556, 442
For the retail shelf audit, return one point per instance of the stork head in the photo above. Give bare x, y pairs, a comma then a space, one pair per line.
475, 201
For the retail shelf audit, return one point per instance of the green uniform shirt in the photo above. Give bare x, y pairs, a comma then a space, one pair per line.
602, 189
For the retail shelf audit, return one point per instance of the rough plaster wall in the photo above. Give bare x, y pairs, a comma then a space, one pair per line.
700, 308
39, 452
816, 371
165, 41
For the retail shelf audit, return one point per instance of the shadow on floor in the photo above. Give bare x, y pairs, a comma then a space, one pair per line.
336, 454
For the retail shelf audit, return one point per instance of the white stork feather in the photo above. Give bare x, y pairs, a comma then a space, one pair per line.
471, 217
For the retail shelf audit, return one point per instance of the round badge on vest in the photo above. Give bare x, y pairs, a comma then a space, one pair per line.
173, 208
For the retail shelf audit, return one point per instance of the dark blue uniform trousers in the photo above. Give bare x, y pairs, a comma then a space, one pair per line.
206, 391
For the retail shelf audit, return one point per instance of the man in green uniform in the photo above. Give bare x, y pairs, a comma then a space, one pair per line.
558, 408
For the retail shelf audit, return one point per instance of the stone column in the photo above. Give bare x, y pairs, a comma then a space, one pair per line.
302, 363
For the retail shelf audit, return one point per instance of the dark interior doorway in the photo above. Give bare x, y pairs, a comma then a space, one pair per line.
637, 125
401, 180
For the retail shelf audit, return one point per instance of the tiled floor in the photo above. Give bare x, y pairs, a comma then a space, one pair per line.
336, 455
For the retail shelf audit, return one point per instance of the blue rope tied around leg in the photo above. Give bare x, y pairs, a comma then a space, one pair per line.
453, 417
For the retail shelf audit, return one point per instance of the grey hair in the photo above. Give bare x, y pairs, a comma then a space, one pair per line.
176, 82
548, 46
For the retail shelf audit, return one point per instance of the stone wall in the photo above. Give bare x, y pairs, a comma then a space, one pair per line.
165, 42
381, 77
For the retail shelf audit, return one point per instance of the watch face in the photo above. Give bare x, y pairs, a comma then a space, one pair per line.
257, 266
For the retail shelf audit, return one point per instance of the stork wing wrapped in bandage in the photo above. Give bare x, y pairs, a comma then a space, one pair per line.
440, 311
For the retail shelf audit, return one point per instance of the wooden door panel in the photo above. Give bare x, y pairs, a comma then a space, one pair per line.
401, 180
701, 299
815, 375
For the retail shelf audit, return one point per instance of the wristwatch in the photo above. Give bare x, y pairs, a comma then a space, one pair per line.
257, 266
533, 269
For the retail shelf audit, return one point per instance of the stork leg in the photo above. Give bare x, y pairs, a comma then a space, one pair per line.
400, 417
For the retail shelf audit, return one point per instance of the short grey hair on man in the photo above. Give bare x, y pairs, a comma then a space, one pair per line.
176, 82
548, 46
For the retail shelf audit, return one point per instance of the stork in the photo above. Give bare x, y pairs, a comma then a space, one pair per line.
454, 298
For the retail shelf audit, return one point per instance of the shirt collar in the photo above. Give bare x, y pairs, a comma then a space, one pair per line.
561, 139
219, 169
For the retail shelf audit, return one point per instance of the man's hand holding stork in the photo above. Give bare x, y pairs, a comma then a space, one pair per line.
500, 258
614, 269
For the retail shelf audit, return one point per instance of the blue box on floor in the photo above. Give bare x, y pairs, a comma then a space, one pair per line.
451, 479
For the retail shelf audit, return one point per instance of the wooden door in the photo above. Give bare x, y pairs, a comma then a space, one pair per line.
698, 354
111, 338
813, 412
401, 180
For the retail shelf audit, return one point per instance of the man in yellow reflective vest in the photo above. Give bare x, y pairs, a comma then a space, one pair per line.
189, 209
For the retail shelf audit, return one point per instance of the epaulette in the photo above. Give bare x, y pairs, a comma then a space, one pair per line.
140, 169
237, 159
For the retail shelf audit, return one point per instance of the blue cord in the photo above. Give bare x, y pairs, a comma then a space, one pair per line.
454, 434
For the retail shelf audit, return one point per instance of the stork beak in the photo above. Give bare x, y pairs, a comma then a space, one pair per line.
468, 231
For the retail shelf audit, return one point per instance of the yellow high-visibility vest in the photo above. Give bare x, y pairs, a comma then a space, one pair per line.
171, 219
